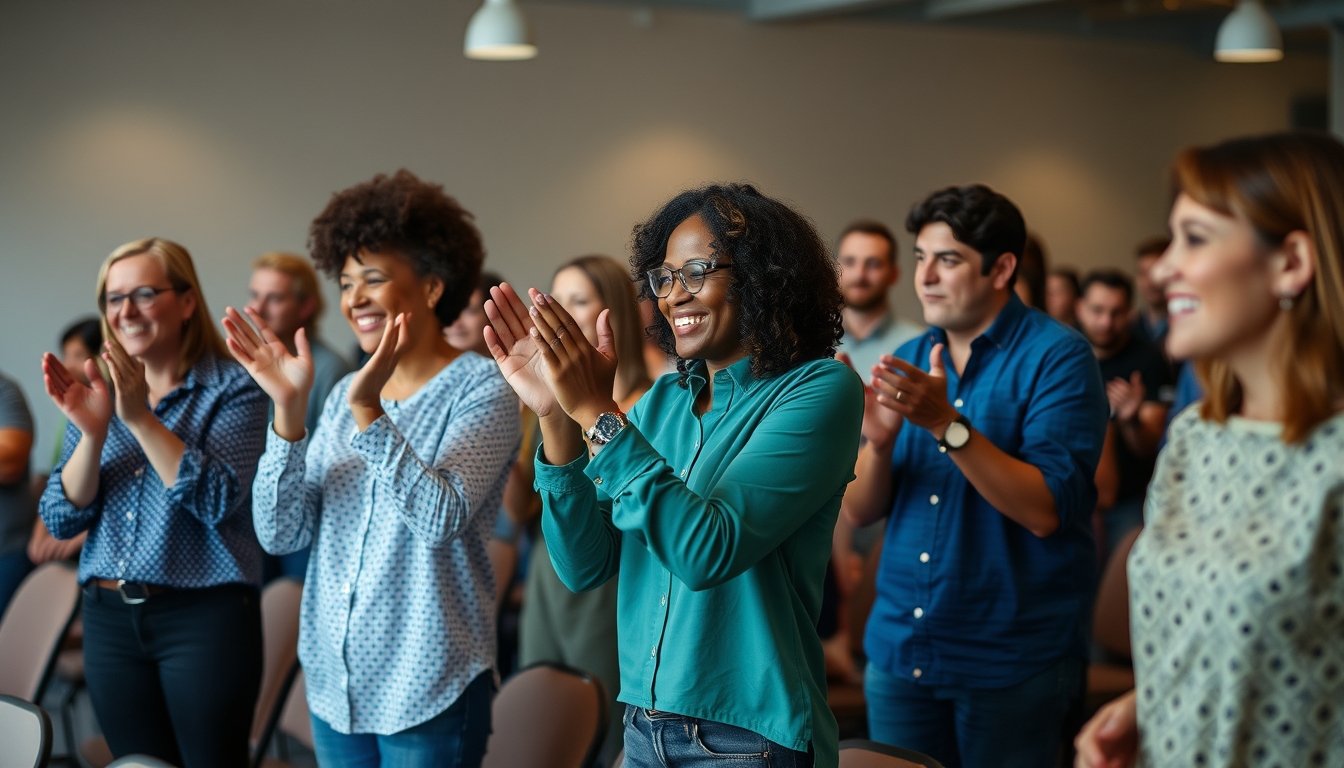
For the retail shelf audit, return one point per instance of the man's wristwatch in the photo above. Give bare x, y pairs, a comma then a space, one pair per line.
608, 426
957, 435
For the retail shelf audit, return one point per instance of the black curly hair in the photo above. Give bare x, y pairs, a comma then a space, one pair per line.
979, 217
414, 218
783, 279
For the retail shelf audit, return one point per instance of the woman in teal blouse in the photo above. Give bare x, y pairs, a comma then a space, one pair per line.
715, 497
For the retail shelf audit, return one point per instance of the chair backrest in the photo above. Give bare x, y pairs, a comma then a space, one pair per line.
548, 714
294, 719
504, 562
280, 646
1110, 615
25, 734
138, 761
30, 633
861, 753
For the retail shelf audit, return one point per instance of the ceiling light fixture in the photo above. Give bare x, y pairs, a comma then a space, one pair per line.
1248, 35
498, 31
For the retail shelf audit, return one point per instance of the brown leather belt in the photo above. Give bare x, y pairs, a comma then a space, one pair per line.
132, 592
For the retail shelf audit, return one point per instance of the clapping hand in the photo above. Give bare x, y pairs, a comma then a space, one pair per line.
880, 424
921, 398
87, 406
128, 383
1126, 396
518, 354
366, 387
581, 376
286, 378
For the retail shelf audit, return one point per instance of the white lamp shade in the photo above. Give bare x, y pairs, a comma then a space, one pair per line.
499, 32
1248, 34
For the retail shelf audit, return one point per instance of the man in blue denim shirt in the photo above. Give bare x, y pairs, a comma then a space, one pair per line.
982, 440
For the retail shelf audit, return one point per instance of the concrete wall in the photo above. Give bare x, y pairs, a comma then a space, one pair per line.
226, 126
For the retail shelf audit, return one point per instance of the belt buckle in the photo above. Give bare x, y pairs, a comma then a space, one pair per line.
136, 587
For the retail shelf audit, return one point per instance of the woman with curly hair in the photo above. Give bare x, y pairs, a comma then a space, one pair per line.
397, 488
1237, 581
715, 497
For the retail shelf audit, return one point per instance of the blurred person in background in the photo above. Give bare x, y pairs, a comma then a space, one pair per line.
467, 331
579, 629
1150, 314
1032, 269
1139, 388
16, 507
1062, 290
396, 490
283, 291
82, 340
157, 466
1237, 582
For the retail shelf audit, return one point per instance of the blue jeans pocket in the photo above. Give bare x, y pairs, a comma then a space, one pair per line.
728, 742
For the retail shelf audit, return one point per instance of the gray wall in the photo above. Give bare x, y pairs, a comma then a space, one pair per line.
226, 126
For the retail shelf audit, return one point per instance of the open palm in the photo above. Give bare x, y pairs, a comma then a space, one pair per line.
87, 406
517, 352
285, 377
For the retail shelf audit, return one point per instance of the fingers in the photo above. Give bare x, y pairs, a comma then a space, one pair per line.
606, 339
239, 354
267, 335
95, 377
561, 324
511, 310
495, 345
56, 370
500, 325
545, 334
386, 345
301, 344
403, 337
911, 371
547, 351
240, 331
936, 362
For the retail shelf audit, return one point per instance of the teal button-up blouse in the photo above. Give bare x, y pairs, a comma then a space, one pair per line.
720, 527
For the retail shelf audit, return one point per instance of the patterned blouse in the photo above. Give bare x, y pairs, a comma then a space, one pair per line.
398, 610
1237, 598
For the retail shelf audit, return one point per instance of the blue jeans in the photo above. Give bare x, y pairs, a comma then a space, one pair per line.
455, 738
665, 740
1021, 726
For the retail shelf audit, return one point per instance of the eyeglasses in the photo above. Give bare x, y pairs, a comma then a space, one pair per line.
143, 298
692, 277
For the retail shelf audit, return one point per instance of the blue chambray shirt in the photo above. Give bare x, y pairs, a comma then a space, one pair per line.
398, 611
966, 596
195, 534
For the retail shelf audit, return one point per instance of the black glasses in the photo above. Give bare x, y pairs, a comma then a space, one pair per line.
143, 298
692, 277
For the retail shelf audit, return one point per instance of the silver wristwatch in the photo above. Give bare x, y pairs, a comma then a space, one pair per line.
608, 426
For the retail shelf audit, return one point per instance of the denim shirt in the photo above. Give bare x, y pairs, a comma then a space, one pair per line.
720, 527
966, 596
195, 534
398, 610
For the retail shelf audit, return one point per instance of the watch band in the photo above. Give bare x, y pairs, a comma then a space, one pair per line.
607, 427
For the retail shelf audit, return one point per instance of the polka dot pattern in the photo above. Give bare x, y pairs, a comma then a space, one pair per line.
195, 534
398, 608
1237, 598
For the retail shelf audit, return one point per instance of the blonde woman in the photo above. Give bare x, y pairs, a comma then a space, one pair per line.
157, 466
1236, 585
557, 624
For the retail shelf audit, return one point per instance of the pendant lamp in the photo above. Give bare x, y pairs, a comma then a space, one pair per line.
1248, 35
499, 32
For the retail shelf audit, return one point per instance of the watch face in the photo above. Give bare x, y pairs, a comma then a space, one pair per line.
607, 426
956, 435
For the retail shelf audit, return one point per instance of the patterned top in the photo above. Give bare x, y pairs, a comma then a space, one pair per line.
1237, 598
398, 614
195, 534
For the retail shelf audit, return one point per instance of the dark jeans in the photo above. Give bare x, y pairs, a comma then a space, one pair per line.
665, 740
455, 738
1021, 726
177, 676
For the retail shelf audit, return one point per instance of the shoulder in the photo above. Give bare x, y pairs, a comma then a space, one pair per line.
224, 374
826, 375
475, 376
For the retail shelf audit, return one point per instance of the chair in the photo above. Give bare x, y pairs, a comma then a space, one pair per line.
25, 734
548, 714
139, 761
293, 722
861, 753
1110, 630
30, 633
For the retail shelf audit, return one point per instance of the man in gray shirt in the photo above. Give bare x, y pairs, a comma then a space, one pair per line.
17, 510
285, 292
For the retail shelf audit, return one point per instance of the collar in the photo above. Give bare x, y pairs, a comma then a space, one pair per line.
888, 318
739, 373
999, 332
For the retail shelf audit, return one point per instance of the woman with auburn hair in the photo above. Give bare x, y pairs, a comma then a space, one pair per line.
1237, 582
158, 469
715, 499
557, 624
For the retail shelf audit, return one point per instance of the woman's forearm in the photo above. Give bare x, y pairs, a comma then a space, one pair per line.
163, 449
561, 439
868, 497
79, 477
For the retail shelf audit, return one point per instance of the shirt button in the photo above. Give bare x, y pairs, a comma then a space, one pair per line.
933, 499
345, 588
918, 672
597, 480
130, 515
140, 471
653, 654
923, 557
683, 473
958, 403
919, 613
662, 600
941, 449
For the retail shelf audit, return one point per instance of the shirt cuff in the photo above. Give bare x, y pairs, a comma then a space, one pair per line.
622, 461
378, 444
282, 450
188, 473
557, 479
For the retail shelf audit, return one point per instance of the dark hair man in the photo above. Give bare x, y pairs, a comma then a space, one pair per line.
1150, 320
867, 253
983, 437
1139, 387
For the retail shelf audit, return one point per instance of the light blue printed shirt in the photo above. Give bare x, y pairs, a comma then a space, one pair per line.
398, 610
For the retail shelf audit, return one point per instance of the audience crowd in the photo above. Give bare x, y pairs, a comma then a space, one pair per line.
709, 458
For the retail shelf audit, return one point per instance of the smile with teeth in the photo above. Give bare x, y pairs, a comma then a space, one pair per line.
367, 322
687, 321
1182, 305
131, 330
